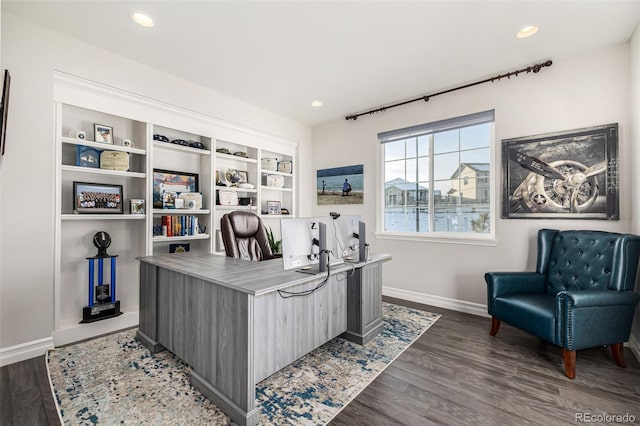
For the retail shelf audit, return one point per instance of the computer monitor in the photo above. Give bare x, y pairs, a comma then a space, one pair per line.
303, 239
342, 240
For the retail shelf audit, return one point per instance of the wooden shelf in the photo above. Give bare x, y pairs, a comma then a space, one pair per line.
273, 188
238, 207
181, 148
273, 172
247, 190
158, 239
103, 146
235, 158
102, 216
106, 172
181, 212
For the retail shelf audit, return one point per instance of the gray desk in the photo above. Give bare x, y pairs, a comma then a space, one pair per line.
227, 320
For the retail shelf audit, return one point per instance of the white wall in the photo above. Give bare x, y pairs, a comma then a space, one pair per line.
575, 92
32, 53
634, 103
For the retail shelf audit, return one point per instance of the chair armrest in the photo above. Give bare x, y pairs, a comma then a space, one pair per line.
503, 283
584, 298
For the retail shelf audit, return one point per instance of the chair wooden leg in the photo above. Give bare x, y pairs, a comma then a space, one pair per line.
495, 326
569, 363
617, 350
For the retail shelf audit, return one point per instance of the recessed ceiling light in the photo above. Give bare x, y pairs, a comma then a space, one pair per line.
316, 104
527, 31
142, 19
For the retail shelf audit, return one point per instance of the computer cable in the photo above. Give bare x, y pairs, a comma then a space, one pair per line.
288, 294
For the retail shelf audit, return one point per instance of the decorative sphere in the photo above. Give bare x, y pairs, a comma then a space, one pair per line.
102, 240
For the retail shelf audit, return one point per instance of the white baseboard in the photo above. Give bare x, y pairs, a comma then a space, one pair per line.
24, 351
71, 331
441, 302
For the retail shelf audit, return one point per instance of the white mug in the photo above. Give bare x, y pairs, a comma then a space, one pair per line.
78, 134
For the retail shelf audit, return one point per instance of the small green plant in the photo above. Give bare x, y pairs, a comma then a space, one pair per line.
276, 246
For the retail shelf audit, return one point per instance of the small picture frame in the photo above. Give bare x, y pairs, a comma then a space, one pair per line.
136, 206
243, 175
99, 198
87, 156
274, 207
103, 134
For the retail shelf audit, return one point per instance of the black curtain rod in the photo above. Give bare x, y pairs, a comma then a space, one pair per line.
533, 68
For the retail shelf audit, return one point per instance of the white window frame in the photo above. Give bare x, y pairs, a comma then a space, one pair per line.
485, 239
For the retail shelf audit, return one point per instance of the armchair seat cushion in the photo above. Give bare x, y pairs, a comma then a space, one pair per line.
534, 313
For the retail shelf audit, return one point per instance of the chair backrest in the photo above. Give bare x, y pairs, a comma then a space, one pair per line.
587, 260
244, 236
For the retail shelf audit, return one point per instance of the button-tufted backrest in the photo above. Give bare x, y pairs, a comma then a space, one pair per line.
581, 260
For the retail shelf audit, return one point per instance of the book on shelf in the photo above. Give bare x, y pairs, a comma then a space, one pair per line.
179, 226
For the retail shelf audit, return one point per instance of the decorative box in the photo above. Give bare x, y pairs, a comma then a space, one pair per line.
114, 160
285, 166
275, 181
192, 200
270, 164
227, 197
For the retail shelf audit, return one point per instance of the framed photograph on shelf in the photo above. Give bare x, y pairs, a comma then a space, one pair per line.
274, 207
103, 134
172, 181
98, 198
243, 176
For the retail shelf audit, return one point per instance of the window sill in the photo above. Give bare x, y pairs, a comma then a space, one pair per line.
438, 238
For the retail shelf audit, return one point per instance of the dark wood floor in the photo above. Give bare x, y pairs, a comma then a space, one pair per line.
455, 374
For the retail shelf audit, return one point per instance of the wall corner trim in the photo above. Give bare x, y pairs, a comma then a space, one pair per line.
439, 301
24, 351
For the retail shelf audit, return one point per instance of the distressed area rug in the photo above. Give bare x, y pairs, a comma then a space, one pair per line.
115, 380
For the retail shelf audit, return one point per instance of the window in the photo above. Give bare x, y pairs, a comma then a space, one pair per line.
425, 168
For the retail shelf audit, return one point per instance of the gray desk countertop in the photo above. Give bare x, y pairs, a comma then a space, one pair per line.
255, 278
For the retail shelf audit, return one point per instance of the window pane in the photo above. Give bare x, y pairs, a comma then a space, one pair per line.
400, 219
445, 141
476, 156
423, 169
475, 136
411, 170
394, 150
394, 170
423, 145
411, 147
445, 165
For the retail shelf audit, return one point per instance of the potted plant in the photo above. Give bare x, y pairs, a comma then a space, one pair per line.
276, 246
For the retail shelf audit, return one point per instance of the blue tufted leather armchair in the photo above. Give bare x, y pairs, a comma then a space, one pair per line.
581, 295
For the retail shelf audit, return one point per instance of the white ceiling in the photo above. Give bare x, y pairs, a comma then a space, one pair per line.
353, 56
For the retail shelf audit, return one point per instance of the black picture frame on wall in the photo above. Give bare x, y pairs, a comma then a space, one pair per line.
4, 111
97, 198
564, 175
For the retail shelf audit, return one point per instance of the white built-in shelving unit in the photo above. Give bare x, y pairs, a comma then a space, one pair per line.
79, 104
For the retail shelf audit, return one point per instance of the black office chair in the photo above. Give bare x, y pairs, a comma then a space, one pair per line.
244, 236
